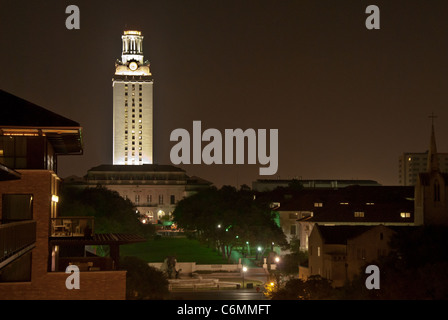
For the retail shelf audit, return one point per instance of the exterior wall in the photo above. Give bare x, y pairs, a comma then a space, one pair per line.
429, 210
315, 253
42, 184
119, 121
95, 285
333, 263
367, 248
288, 223
189, 267
153, 209
304, 231
340, 262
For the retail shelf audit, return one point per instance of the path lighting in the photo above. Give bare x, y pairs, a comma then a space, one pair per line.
244, 271
259, 249
219, 226
277, 259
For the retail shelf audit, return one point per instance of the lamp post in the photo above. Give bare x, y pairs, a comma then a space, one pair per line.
244, 271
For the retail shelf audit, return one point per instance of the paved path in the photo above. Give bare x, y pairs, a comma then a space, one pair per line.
237, 294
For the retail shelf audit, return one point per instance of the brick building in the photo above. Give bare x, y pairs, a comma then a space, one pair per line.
36, 244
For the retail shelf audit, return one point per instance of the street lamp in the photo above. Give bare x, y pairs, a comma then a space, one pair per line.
244, 271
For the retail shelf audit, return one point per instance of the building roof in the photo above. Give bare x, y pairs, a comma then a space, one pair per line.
340, 234
21, 117
270, 184
135, 168
19, 112
378, 204
194, 180
8, 174
99, 239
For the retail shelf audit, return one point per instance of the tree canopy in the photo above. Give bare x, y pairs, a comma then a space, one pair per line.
228, 218
113, 214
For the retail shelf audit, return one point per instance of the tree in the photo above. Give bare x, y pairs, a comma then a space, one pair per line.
143, 282
228, 218
113, 214
314, 288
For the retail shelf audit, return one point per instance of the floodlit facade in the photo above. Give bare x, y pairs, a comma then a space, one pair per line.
132, 104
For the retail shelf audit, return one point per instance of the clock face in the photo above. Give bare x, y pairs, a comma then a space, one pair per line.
133, 66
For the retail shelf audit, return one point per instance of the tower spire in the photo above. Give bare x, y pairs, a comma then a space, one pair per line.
433, 161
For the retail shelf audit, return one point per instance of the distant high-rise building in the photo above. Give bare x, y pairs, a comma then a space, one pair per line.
132, 104
410, 164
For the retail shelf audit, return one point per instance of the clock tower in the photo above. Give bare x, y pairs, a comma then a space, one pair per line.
132, 104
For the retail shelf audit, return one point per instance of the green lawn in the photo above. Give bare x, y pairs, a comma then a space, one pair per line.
185, 250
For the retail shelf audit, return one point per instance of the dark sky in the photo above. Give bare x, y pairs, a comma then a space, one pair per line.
346, 100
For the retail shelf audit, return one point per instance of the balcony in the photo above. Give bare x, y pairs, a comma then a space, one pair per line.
72, 227
15, 237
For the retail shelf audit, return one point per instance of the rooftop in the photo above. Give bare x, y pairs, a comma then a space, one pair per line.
24, 118
135, 168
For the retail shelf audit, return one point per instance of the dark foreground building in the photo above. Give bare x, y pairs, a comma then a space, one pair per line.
36, 244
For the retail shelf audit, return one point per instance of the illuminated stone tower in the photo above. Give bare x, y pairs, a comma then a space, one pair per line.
132, 104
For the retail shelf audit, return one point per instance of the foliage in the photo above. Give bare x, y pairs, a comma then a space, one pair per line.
113, 214
143, 282
289, 263
227, 218
415, 268
314, 288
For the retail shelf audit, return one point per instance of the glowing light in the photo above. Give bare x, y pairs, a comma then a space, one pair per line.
55, 198
133, 32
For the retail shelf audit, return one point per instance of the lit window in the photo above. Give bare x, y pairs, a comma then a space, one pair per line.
318, 204
344, 203
370, 203
405, 214
359, 214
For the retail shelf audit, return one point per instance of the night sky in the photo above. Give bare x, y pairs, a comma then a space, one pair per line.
347, 101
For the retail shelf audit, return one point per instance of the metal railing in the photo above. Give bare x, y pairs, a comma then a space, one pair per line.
16, 236
72, 226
